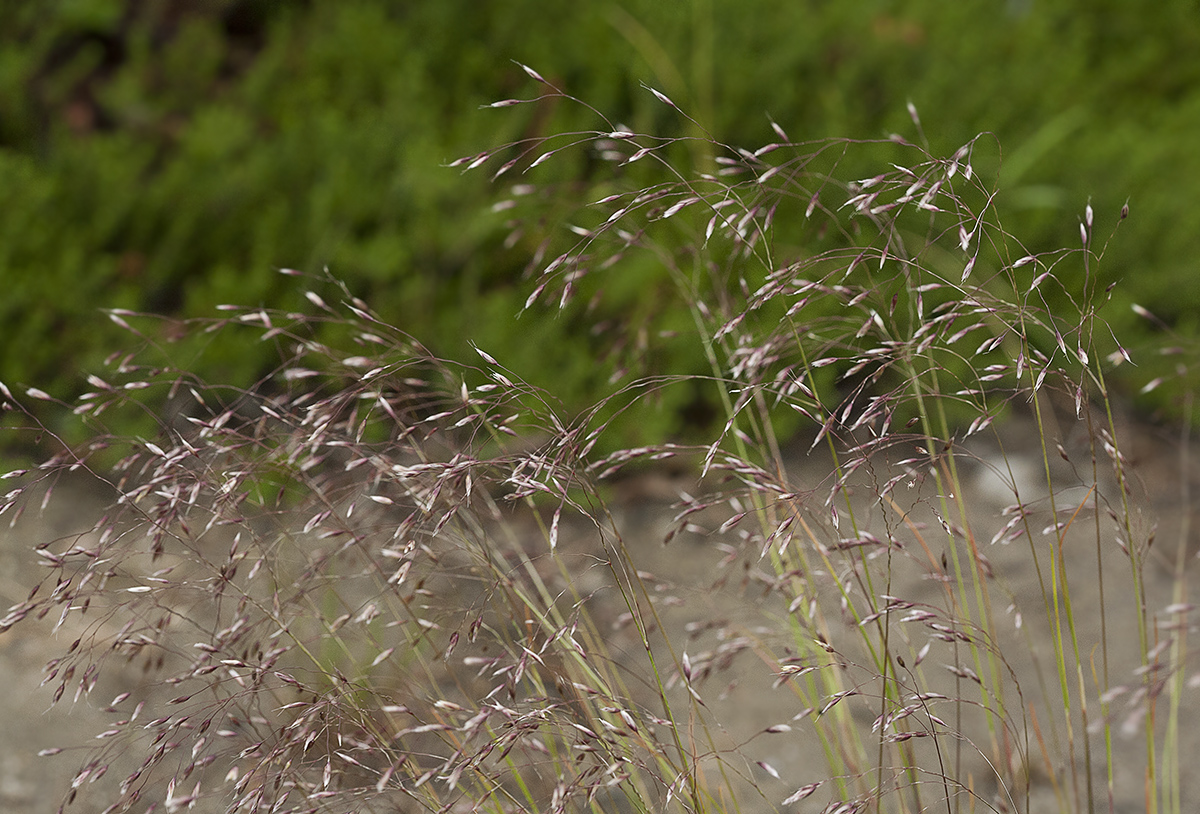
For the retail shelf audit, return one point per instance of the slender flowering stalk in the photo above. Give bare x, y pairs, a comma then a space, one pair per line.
379, 580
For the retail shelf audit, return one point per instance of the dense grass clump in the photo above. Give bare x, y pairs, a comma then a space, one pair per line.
384, 581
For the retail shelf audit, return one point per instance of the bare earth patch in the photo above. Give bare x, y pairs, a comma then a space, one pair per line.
715, 604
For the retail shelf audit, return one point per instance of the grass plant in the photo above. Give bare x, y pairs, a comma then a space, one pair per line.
383, 581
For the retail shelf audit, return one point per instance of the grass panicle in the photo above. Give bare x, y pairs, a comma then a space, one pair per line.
383, 581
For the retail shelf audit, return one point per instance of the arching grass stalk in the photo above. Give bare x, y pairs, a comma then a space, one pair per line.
381, 580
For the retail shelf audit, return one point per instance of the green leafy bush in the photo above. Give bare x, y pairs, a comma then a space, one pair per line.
167, 158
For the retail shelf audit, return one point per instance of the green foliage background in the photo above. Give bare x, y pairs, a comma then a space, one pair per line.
169, 156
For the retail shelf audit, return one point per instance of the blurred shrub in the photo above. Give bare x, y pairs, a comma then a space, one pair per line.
169, 156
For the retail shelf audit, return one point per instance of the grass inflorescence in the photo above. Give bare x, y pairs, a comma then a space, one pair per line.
384, 581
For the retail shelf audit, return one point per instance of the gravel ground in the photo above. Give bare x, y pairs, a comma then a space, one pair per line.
31, 784
30, 723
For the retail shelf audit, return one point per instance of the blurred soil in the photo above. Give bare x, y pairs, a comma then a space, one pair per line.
719, 614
